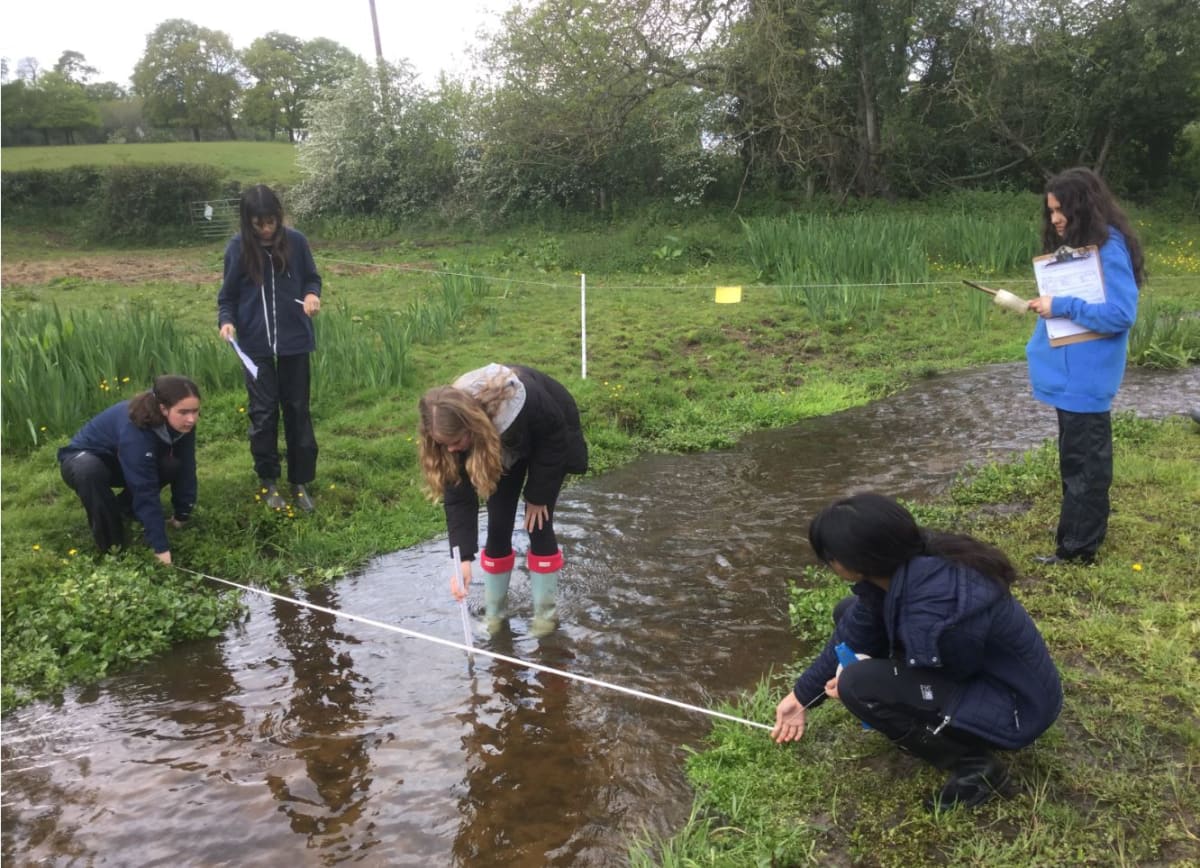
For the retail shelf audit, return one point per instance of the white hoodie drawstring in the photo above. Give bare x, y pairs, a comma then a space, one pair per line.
273, 328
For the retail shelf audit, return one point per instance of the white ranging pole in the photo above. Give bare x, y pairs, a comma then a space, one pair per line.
583, 323
462, 604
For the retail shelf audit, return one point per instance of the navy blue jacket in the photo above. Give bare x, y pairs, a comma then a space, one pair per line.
268, 320
133, 456
942, 615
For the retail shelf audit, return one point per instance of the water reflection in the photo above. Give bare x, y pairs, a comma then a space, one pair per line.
520, 741
318, 725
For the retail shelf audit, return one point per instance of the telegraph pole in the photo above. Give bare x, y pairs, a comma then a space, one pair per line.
380, 68
375, 26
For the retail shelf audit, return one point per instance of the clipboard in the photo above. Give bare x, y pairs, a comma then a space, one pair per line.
1070, 271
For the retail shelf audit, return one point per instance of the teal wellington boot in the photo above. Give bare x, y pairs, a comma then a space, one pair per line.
496, 575
543, 575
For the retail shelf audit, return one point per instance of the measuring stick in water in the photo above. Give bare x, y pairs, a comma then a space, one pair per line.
462, 603
1002, 297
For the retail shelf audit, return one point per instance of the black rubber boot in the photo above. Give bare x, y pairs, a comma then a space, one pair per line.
303, 500
269, 492
975, 774
973, 780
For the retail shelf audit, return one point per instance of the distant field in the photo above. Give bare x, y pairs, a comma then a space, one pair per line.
248, 162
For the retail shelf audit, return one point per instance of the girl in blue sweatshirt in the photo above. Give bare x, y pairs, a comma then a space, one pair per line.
138, 446
1080, 380
268, 298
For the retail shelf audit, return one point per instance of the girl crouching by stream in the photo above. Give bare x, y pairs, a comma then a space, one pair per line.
957, 668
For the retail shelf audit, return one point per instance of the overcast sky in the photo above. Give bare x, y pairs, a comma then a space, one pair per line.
431, 34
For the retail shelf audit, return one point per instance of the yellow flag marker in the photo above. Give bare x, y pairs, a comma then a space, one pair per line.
728, 294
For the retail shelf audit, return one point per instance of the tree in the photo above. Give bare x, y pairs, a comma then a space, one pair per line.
582, 108
289, 73
105, 91
74, 67
370, 152
188, 77
64, 107
28, 69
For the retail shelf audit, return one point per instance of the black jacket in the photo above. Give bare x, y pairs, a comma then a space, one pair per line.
546, 433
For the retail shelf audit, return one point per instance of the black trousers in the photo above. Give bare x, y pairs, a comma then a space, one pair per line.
502, 516
282, 386
94, 480
1085, 462
895, 699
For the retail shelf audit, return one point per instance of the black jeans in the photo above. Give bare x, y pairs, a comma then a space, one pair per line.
1085, 462
282, 385
502, 516
894, 699
93, 479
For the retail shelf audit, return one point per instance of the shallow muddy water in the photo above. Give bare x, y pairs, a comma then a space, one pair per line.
302, 739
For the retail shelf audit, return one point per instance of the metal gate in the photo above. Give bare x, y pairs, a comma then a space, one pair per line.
215, 218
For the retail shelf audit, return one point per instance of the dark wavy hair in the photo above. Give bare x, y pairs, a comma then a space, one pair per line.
169, 390
874, 535
260, 202
1090, 209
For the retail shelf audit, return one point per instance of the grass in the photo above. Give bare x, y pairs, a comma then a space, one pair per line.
271, 163
1114, 781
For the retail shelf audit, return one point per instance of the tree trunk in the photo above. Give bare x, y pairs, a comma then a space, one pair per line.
195, 134
1105, 147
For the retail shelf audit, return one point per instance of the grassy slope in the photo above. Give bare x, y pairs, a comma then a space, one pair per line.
248, 162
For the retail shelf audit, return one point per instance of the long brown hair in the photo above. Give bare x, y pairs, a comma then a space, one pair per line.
168, 390
446, 415
1090, 208
261, 202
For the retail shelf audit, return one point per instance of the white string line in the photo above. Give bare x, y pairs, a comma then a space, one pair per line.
659, 287
475, 650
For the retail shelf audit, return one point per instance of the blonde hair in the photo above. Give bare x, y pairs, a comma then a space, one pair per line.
447, 414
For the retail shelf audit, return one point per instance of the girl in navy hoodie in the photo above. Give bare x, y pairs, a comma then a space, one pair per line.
139, 446
269, 296
956, 668
1080, 380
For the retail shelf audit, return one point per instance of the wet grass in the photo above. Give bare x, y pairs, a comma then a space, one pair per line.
1116, 781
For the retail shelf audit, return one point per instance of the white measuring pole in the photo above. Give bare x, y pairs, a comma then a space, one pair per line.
462, 604
583, 323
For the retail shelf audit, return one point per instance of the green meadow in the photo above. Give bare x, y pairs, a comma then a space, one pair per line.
246, 162
838, 309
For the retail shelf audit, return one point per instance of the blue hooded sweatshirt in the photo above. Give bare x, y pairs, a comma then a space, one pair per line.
133, 455
1084, 377
938, 614
270, 318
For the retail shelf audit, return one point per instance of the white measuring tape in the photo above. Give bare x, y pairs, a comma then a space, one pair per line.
475, 650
